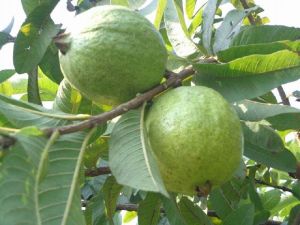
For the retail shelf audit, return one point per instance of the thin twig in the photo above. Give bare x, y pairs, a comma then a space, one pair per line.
250, 16
123, 108
285, 100
97, 172
273, 186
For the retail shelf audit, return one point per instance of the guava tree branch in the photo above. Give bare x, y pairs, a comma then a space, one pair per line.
174, 80
273, 186
97, 172
250, 16
285, 100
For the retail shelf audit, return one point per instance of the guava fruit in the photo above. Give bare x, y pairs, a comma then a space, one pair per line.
196, 138
111, 53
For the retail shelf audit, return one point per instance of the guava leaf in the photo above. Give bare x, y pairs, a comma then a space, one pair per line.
270, 198
154, 11
282, 160
197, 20
190, 8
50, 65
130, 156
251, 65
294, 214
172, 211
263, 136
229, 28
247, 87
5, 74
33, 39
21, 114
30, 5
41, 186
111, 191
149, 210
257, 34
177, 30
279, 116
207, 24
95, 210
240, 51
4, 39
192, 213
242, 216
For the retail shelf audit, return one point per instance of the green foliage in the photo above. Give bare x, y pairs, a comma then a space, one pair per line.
44, 151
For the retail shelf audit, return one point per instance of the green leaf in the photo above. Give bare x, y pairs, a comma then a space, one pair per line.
95, 210
177, 31
120, 2
252, 65
242, 216
283, 160
5, 74
253, 195
33, 92
130, 157
33, 39
248, 87
207, 24
197, 20
30, 5
192, 213
154, 11
270, 198
257, 34
263, 136
21, 114
4, 39
149, 210
262, 49
221, 203
39, 179
111, 191
172, 211
294, 215
97, 149
229, 28
190, 8
50, 65
279, 116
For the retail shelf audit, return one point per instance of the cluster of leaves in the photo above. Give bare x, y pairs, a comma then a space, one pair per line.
44, 179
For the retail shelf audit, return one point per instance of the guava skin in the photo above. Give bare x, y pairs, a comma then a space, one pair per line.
196, 138
111, 54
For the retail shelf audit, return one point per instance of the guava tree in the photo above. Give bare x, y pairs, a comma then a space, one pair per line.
84, 162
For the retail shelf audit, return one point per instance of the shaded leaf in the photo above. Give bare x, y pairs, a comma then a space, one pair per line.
33, 39
270, 198
50, 65
4, 39
172, 211
95, 210
281, 117
294, 215
207, 24
5, 74
263, 136
257, 34
130, 157
192, 213
177, 31
242, 216
221, 204
30, 5
282, 160
149, 210
111, 191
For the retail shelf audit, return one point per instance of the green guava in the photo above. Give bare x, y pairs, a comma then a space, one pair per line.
196, 138
111, 53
